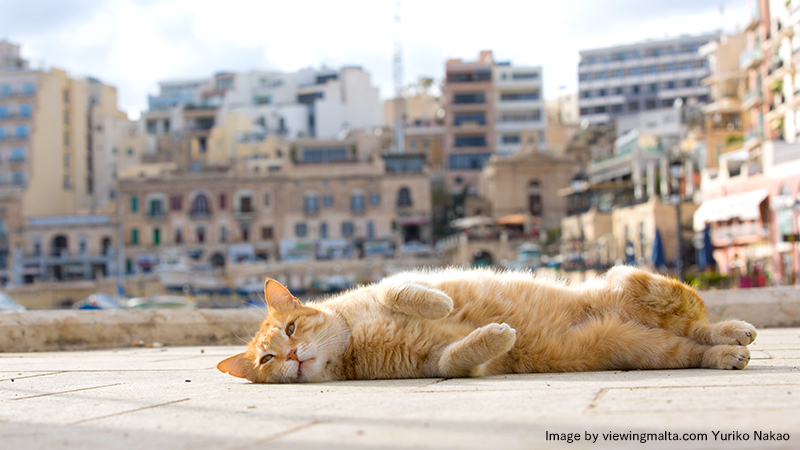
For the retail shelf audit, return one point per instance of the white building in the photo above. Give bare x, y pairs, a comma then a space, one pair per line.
519, 106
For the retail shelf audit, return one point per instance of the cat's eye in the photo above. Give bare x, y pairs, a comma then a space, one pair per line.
290, 329
264, 359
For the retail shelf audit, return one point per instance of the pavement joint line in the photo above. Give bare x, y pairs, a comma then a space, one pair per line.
289, 431
22, 377
596, 400
67, 392
129, 411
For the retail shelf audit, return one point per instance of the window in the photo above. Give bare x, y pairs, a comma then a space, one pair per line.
134, 236
347, 229
357, 202
310, 204
468, 161
583, 77
371, 230
300, 229
17, 154
22, 132
156, 208
466, 118
266, 233
525, 75
519, 96
246, 204
650, 104
134, 204
222, 201
25, 110
66, 139
510, 139
66, 96
327, 201
2, 228
175, 202
374, 199
17, 178
426, 143
200, 234
200, 205
66, 117
323, 230
322, 156
178, 236
470, 141
223, 234
267, 200
156, 236
635, 70
633, 106
413, 145
5, 90
28, 89
469, 98
404, 197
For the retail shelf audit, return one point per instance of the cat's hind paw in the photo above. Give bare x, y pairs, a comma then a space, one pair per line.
733, 332
726, 357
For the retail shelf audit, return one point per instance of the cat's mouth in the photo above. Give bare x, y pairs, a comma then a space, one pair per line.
300, 366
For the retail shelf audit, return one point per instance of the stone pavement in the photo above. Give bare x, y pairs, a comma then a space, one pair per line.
173, 398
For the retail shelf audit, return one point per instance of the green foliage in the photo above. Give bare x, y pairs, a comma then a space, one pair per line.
708, 280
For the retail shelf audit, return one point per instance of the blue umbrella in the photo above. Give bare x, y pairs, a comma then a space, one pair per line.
706, 256
657, 253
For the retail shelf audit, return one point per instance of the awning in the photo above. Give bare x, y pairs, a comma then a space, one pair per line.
746, 206
517, 219
472, 221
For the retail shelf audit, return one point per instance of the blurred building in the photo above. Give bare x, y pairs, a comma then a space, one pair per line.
318, 199
488, 105
644, 76
724, 124
59, 140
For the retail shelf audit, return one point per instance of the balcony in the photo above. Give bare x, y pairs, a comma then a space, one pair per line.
753, 98
751, 58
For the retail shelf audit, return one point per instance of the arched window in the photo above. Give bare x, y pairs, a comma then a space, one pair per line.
404, 197
200, 205
58, 245
535, 207
106, 245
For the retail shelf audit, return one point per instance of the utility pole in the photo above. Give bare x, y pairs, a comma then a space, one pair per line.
399, 100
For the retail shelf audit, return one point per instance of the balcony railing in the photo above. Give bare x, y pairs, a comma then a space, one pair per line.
750, 58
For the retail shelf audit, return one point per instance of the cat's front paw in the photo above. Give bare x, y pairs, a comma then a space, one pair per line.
733, 332
726, 357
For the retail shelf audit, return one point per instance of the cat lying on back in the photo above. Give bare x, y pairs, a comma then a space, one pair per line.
458, 323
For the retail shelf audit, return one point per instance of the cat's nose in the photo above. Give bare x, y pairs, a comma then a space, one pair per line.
292, 355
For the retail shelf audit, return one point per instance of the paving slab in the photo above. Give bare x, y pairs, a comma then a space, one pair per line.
173, 397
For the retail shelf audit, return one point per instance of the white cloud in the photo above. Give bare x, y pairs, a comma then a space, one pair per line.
134, 44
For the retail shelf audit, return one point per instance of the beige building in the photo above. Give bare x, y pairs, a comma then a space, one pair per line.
318, 200
60, 138
527, 183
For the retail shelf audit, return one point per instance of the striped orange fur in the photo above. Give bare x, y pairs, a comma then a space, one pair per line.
456, 323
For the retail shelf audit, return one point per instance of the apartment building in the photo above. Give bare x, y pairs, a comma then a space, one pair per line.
58, 145
318, 200
645, 76
489, 104
724, 124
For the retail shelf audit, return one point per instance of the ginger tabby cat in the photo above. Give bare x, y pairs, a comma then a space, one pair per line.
458, 323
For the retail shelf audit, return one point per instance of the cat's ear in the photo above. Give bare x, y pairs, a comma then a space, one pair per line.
278, 296
236, 365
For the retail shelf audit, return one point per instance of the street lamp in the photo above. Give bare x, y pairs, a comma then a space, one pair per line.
676, 173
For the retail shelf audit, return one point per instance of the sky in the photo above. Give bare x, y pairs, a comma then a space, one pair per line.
134, 44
